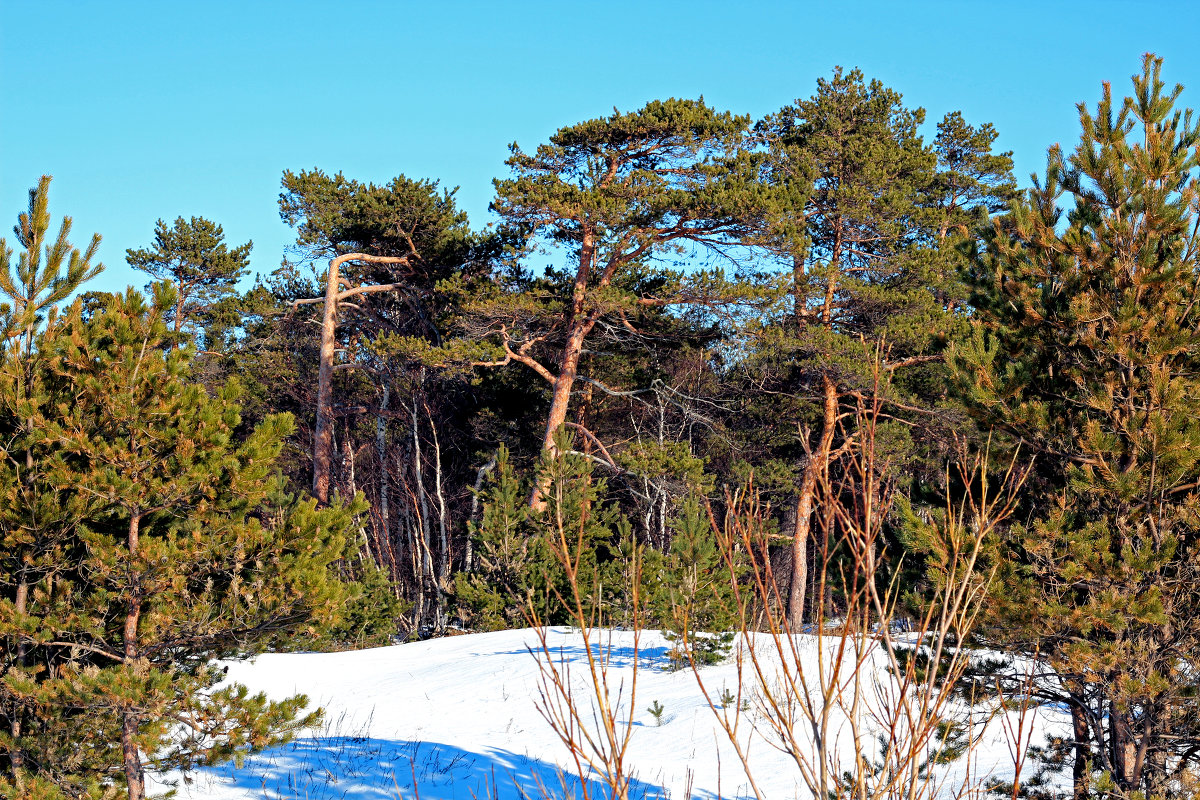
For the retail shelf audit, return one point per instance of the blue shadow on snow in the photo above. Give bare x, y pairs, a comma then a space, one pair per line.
616, 657
365, 768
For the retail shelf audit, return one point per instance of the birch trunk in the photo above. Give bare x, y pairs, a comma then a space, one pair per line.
468, 557
428, 575
381, 451
443, 576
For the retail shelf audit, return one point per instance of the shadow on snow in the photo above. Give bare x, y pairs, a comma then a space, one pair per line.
365, 768
614, 655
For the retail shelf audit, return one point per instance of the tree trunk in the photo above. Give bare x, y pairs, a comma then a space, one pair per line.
443, 576
412, 534
1156, 773
133, 761
799, 308
1141, 748
323, 432
816, 468
558, 409
1082, 766
468, 556
21, 605
578, 327
381, 451
130, 719
17, 755
425, 539
800, 535
348, 465
179, 301
1121, 741
568, 368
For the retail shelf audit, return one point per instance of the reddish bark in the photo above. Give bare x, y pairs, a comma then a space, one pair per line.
818, 465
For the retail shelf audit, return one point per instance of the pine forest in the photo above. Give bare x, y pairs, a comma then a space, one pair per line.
828, 403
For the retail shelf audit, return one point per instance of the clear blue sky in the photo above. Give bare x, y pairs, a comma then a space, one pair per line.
162, 109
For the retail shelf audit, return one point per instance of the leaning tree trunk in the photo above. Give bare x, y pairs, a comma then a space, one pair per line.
817, 466
579, 325
569, 368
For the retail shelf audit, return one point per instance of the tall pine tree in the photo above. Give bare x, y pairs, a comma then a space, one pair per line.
1087, 353
33, 539
859, 284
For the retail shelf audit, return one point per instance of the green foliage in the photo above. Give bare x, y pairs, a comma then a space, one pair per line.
656, 710
40, 280
411, 218
193, 257
524, 559
972, 181
534, 561
872, 234
666, 461
372, 609
1085, 350
674, 165
335, 214
509, 560
621, 197
145, 530
694, 591
868, 278
170, 544
36, 533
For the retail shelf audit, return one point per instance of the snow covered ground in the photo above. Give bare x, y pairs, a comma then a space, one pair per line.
457, 718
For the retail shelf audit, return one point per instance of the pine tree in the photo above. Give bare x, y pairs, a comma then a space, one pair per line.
972, 181
34, 541
177, 546
694, 596
860, 283
507, 555
40, 280
1086, 353
192, 256
617, 194
547, 565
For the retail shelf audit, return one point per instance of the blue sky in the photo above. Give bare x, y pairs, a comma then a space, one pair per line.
148, 110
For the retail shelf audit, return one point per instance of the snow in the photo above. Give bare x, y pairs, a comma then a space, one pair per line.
458, 717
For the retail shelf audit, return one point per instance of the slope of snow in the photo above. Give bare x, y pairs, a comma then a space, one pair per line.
457, 718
